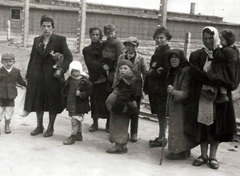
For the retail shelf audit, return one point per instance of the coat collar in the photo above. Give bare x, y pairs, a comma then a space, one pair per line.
3, 70
50, 46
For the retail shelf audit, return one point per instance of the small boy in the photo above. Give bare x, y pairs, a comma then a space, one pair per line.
122, 105
9, 77
112, 49
222, 54
77, 90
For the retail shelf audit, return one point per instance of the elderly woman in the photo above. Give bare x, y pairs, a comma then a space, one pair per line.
43, 78
154, 84
92, 57
179, 143
210, 122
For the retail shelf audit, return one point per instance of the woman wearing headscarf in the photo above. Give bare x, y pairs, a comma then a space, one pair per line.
179, 143
210, 122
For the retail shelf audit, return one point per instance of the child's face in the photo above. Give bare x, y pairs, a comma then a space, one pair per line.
75, 73
124, 69
131, 48
8, 63
111, 35
174, 61
222, 40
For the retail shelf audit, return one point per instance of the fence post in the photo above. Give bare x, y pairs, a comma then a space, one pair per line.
187, 43
8, 30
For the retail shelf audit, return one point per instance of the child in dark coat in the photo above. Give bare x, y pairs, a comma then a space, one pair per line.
9, 76
222, 63
122, 105
77, 90
112, 49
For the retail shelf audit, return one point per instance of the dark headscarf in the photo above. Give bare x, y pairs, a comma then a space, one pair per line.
229, 36
173, 71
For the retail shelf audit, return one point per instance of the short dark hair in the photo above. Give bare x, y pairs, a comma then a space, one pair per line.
46, 18
161, 30
95, 29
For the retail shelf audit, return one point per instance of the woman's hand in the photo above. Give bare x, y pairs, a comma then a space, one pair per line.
170, 89
159, 70
58, 74
77, 92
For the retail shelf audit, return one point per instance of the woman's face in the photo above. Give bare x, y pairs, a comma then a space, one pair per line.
174, 61
161, 39
47, 28
208, 40
95, 35
223, 40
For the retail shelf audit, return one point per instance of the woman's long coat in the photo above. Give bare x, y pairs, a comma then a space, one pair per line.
43, 89
154, 83
225, 117
178, 141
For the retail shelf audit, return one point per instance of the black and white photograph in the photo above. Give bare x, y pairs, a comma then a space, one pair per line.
119, 88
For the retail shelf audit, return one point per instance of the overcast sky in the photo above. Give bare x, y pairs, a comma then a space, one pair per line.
228, 9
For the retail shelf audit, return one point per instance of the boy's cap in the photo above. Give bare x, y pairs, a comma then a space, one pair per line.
6, 56
132, 40
125, 62
229, 36
109, 28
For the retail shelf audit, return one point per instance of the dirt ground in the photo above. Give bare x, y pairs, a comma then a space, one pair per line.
24, 155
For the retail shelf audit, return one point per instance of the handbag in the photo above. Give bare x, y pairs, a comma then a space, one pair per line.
21, 110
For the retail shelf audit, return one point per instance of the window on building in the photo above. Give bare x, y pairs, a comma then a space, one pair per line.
15, 14
38, 1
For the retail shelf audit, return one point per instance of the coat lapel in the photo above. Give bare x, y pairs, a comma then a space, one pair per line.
39, 45
51, 44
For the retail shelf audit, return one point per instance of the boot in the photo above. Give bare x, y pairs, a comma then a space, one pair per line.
79, 136
39, 129
134, 128
118, 149
70, 140
7, 128
50, 128
94, 126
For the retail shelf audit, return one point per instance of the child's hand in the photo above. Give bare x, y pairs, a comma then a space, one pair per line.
78, 93
159, 70
170, 89
105, 67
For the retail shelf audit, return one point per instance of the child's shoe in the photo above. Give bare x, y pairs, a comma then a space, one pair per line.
222, 99
7, 127
79, 136
70, 140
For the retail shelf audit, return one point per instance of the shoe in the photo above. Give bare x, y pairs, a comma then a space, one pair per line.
133, 138
213, 163
158, 143
37, 130
79, 136
117, 149
93, 128
49, 132
7, 129
199, 161
222, 99
70, 140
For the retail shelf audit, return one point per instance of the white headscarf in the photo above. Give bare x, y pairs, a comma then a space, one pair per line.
216, 40
77, 66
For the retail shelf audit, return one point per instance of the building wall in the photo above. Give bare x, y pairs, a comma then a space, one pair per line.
141, 26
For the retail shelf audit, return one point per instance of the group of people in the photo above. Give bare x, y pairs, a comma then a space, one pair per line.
194, 94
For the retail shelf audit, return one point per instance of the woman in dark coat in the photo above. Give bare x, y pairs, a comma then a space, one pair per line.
210, 122
43, 81
154, 84
92, 57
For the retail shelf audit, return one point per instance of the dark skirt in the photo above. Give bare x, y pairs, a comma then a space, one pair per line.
158, 104
208, 133
98, 98
6, 102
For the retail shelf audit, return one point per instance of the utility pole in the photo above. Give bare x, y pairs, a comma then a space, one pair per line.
162, 13
82, 26
25, 26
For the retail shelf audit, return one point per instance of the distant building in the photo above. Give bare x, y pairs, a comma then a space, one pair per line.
129, 21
